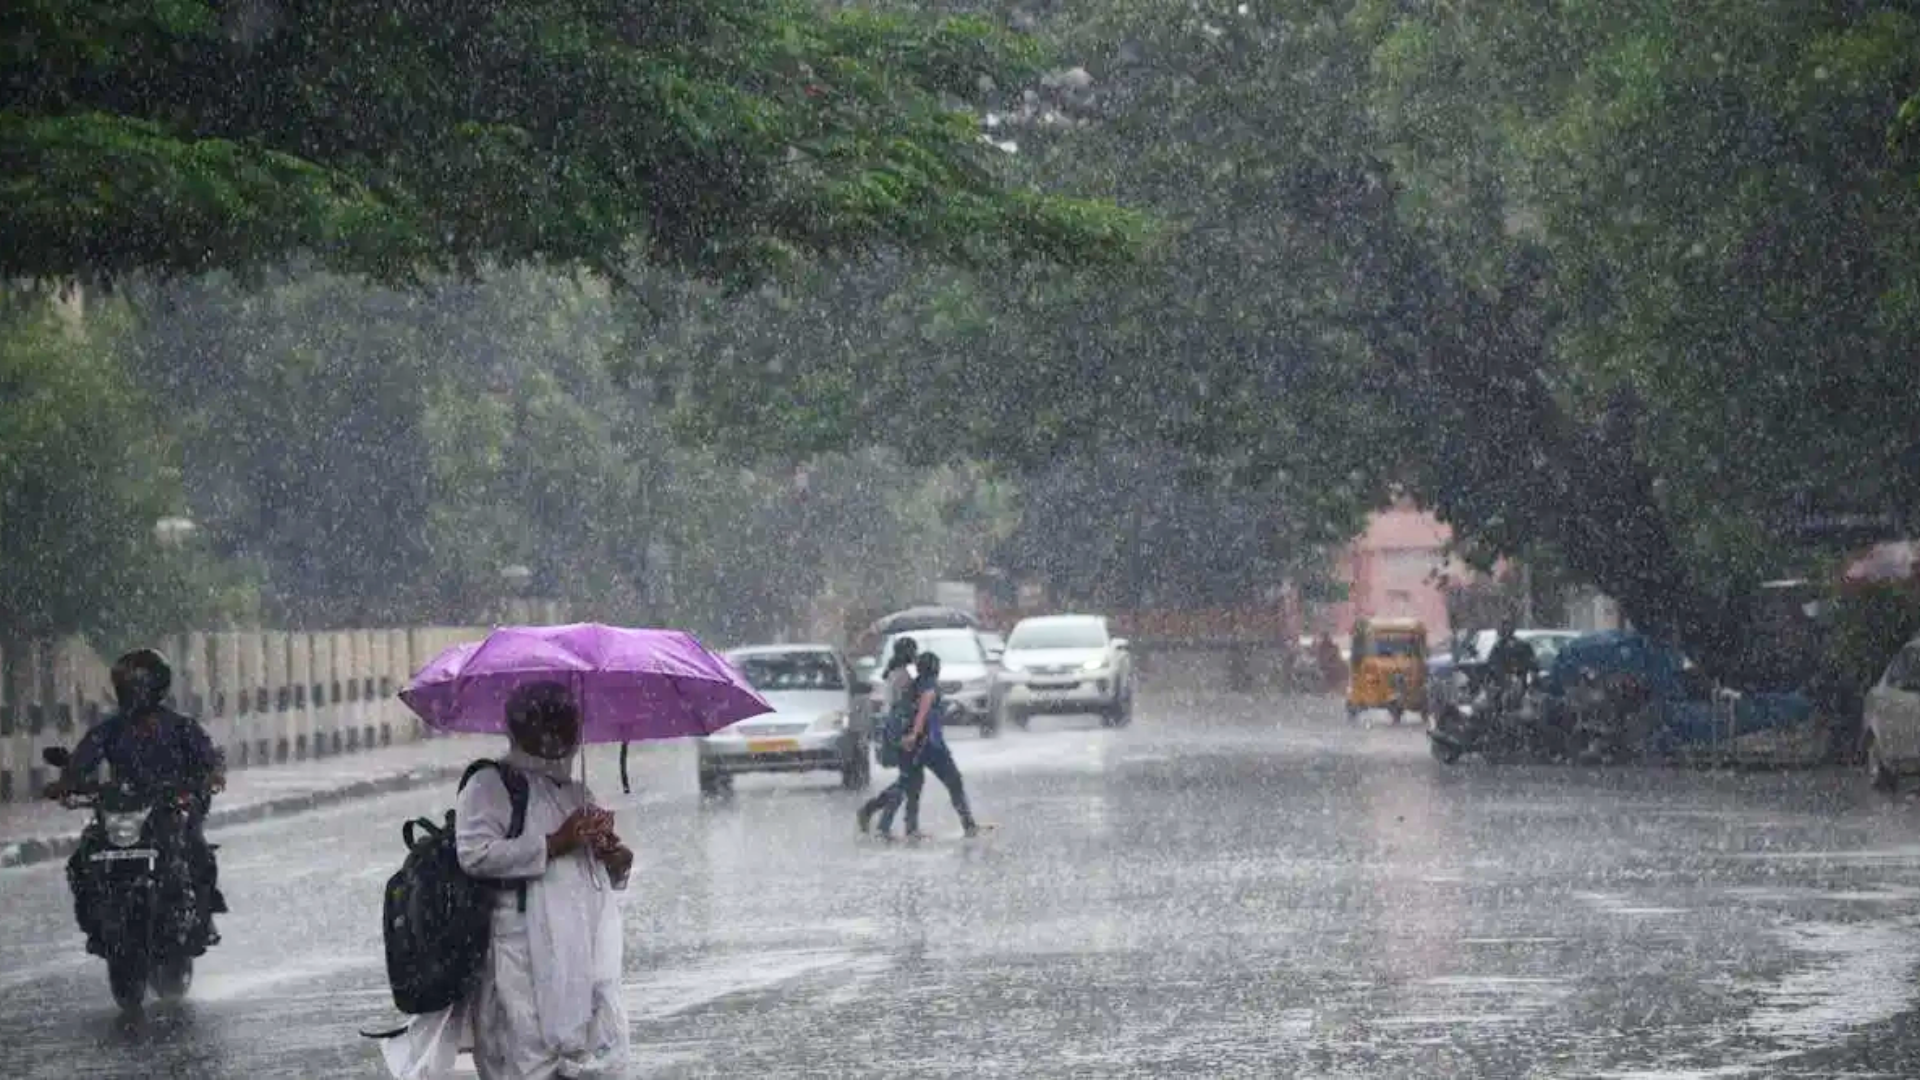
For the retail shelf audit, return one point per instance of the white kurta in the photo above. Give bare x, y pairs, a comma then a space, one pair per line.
547, 1000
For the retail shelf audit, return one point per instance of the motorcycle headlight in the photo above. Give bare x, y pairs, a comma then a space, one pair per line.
123, 830
833, 721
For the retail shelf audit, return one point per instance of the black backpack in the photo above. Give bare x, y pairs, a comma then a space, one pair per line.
438, 919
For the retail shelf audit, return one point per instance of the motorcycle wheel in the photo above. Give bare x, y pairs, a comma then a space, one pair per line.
173, 978
1444, 753
127, 978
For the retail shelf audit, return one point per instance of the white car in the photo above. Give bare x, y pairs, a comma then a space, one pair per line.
814, 725
966, 675
1060, 664
1892, 719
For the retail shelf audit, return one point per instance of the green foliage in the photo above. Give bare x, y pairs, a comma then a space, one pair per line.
383, 457
1612, 287
396, 138
87, 467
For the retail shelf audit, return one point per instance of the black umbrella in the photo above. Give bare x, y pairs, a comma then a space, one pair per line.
925, 617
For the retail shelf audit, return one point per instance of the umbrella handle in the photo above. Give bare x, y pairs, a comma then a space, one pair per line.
626, 787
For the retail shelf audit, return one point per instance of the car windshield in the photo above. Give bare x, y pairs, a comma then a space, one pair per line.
951, 646
790, 670
1073, 634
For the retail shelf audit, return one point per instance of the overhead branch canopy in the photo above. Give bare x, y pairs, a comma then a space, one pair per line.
397, 137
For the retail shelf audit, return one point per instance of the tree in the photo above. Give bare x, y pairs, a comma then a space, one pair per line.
382, 456
86, 472
1135, 529
1614, 288
395, 137
1719, 271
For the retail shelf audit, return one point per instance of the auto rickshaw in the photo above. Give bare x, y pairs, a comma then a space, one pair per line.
1389, 668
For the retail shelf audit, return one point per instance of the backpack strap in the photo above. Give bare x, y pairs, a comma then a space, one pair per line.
407, 835
517, 794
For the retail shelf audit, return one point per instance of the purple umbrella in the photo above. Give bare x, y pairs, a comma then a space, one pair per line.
631, 684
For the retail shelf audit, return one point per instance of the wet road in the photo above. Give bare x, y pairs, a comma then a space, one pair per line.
1226, 889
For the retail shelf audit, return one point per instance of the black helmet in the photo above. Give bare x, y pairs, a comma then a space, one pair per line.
928, 665
141, 679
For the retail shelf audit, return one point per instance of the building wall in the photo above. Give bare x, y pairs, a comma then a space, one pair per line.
1394, 569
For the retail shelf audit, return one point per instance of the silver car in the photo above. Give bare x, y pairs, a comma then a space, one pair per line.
1066, 664
814, 726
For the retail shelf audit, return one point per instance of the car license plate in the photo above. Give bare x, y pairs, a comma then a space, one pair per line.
117, 854
1054, 688
772, 746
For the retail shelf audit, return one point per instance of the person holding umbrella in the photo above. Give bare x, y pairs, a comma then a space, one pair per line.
545, 1002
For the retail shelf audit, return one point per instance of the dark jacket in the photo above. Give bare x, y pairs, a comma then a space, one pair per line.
163, 751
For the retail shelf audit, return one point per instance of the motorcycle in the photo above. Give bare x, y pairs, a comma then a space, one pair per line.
133, 877
1494, 719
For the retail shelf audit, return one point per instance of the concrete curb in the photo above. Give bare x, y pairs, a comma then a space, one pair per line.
40, 850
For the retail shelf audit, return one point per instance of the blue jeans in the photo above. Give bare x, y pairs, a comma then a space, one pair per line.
934, 758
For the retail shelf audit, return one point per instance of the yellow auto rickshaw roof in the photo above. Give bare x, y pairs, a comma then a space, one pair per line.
1396, 626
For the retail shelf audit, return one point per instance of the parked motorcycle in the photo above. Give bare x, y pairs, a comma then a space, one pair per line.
134, 879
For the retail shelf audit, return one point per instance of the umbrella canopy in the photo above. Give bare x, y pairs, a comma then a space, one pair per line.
631, 684
925, 617
1893, 561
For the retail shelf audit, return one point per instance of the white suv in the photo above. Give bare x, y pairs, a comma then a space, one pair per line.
1059, 664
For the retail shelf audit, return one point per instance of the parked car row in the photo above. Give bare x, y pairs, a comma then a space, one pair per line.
826, 706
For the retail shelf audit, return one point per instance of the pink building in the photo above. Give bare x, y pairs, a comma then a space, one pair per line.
1396, 569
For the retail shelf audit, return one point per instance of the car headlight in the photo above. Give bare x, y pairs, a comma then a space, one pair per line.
1012, 665
833, 721
1094, 664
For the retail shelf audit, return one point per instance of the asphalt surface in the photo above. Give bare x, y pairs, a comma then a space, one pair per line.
1228, 888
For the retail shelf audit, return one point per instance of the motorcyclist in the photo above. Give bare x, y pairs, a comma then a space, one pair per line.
158, 753
1512, 662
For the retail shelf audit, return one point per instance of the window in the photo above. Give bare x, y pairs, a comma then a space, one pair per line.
791, 671
951, 646
1064, 634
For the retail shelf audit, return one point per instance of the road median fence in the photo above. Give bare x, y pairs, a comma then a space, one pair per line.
266, 697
